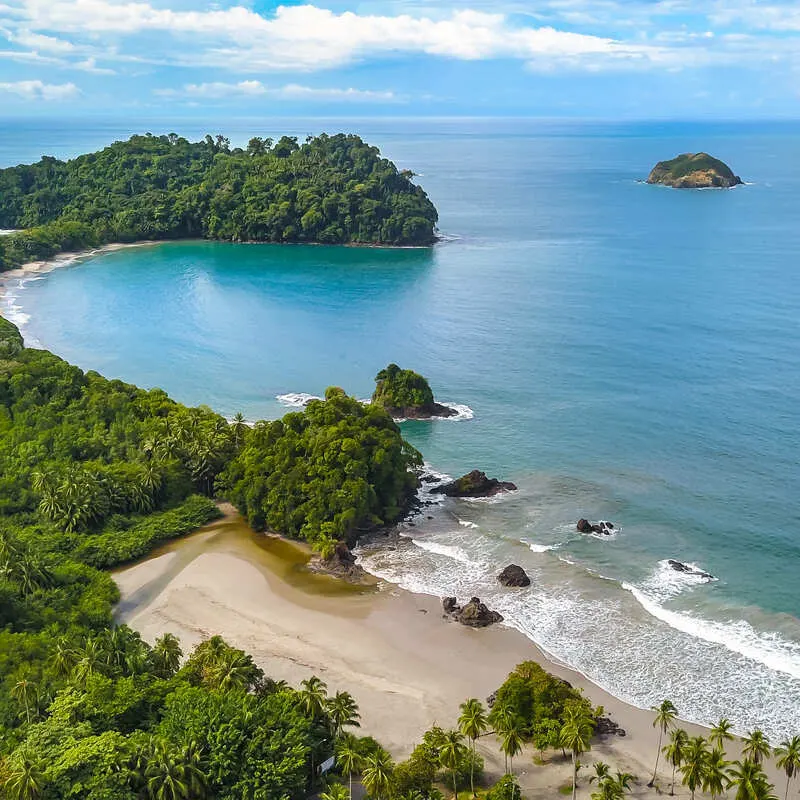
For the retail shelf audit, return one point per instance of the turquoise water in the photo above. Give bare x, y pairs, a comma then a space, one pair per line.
627, 352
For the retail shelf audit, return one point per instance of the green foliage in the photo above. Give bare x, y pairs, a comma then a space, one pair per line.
331, 189
324, 474
539, 700
401, 389
684, 164
507, 788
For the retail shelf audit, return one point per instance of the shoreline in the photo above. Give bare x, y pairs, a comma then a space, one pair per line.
407, 667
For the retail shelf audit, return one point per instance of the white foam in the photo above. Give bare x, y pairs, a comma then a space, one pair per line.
666, 582
296, 399
462, 412
738, 636
467, 524
446, 550
541, 548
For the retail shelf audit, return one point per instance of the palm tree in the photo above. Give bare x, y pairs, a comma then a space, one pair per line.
23, 781
576, 736
63, 658
665, 713
343, 710
312, 696
21, 691
714, 779
335, 792
377, 775
166, 655
756, 746
788, 759
601, 772
233, 671
721, 733
348, 758
450, 755
472, 723
694, 764
675, 751
511, 742
750, 781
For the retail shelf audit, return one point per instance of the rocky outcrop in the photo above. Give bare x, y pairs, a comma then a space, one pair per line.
342, 564
474, 614
428, 411
514, 575
474, 484
688, 569
607, 727
694, 171
602, 527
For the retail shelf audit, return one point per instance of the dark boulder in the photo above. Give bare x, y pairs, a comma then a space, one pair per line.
607, 727
473, 614
514, 575
679, 566
474, 484
604, 528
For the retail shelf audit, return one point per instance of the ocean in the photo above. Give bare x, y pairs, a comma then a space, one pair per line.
620, 351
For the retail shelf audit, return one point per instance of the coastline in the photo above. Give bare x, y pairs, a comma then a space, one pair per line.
407, 667
63, 259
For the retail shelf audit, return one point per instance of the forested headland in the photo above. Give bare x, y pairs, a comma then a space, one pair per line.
329, 189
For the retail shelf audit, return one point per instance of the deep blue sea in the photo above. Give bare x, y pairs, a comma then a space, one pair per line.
621, 351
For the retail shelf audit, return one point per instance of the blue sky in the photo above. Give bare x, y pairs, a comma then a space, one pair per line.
555, 58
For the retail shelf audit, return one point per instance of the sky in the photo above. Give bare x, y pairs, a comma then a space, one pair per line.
606, 59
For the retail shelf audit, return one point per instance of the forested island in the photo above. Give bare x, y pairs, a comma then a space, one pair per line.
694, 171
406, 394
329, 190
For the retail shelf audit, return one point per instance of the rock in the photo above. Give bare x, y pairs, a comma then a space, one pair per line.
607, 727
514, 575
694, 171
428, 411
473, 614
430, 479
474, 484
679, 566
342, 564
605, 528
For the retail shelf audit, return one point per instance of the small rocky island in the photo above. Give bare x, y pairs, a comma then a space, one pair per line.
406, 394
694, 171
474, 484
473, 614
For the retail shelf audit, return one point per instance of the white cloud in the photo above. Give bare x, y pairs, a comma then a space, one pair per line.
219, 90
37, 90
306, 37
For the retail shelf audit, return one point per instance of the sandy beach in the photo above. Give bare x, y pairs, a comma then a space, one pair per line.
405, 664
65, 259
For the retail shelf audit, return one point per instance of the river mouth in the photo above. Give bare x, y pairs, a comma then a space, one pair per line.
282, 562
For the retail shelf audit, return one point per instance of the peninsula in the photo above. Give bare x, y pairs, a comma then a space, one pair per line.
328, 190
694, 171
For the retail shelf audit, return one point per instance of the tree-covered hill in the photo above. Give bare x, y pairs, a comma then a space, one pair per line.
330, 189
324, 474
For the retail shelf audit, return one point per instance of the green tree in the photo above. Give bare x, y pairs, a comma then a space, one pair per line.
343, 712
23, 780
756, 746
376, 776
313, 697
665, 715
472, 723
715, 776
451, 754
576, 736
335, 792
695, 763
348, 758
721, 733
788, 759
675, 751
166, 655
749, 780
